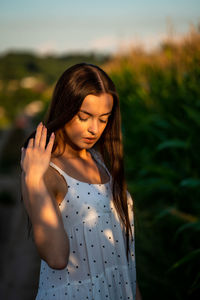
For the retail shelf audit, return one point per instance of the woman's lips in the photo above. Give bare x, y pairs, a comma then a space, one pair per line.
90, 140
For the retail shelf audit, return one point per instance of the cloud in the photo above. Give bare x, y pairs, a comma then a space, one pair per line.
103, 43
48, 47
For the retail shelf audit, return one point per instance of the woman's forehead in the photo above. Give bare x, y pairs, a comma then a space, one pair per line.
97, 104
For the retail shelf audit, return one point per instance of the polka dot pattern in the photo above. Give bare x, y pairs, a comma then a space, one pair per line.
97, 267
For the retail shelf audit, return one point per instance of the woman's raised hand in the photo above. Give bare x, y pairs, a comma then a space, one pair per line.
36, 157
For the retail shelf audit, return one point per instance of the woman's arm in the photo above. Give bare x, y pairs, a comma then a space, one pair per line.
50, 237
49, 234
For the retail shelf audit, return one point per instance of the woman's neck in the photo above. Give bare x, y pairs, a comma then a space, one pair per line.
70, 153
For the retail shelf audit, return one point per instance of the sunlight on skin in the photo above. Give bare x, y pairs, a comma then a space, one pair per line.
40, 233
49, 217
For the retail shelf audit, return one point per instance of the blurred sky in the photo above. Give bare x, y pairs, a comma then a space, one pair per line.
48, 26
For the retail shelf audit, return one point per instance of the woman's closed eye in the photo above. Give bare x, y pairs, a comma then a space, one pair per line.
85, 119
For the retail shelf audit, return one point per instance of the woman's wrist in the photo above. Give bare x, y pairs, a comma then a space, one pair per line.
33, 180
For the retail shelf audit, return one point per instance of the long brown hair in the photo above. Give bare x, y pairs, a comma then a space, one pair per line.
72, 87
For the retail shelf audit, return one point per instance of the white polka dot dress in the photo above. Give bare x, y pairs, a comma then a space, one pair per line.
98, 268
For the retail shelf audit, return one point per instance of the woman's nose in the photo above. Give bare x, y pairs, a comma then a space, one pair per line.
93, 127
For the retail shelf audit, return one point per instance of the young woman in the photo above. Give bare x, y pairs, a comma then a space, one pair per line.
75, 193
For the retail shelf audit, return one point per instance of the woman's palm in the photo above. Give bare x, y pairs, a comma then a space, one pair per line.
35, 159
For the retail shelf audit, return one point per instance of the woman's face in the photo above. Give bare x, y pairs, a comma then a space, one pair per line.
88, 124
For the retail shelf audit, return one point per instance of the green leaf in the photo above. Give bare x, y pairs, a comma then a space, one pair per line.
172, 144
192, 114
190, 182
172, 211
164, 212
192, 255
194, 226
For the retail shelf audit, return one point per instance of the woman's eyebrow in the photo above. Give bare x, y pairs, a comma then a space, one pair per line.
108, 113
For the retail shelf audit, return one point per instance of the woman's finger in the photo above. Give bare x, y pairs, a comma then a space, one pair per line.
30, 143
50, 143
43, 137
38, 135
22, 155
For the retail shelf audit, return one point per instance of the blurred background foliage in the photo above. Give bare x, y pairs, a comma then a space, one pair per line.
160, 105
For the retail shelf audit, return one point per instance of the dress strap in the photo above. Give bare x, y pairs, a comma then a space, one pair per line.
97, 157
61, 172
